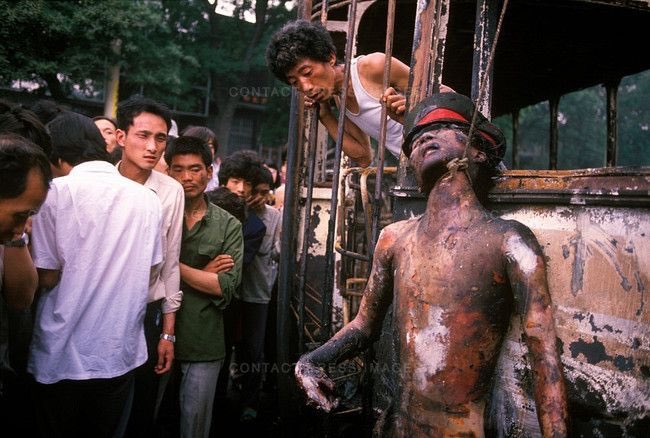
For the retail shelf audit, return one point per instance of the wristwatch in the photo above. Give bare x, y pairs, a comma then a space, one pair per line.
166, 337
18, 243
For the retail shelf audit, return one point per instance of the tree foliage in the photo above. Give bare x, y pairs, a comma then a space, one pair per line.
582, 128
69, 43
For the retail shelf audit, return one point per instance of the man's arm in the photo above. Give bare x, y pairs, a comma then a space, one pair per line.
170, 276
354, 337
20, 279
527, 274
371, 68
207, 279
222, 275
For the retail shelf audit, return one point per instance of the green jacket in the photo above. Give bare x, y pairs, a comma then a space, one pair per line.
199, 321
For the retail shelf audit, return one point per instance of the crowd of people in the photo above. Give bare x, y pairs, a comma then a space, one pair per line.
138, 265
141, 282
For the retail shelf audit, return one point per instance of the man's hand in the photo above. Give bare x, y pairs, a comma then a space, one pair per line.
165, 356
318, 387
221, 263
256, 202
395, 104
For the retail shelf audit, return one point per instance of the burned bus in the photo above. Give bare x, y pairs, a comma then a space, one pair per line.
569, 83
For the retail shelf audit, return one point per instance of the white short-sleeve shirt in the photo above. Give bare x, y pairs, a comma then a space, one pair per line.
102, 231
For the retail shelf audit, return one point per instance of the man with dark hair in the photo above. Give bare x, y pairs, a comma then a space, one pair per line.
211, 262
143, 125
303, 55
18, 120
257, 284
74, 141
452, 310
208, 136
95, 244
24, 180
237, 175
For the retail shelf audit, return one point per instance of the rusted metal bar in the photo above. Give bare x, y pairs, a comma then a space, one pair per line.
515, 136
323, 11
612, 125
425, 77
313, 317
390, 25
328, 284
484, 34
287, 262
311, 165
554, 104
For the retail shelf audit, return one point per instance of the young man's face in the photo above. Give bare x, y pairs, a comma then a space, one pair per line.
316, 79
240, 187
144, 141
260, 195
108, 132
15, 211
190, 171
432, 150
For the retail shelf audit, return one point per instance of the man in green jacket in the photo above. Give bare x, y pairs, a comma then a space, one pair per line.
210, 263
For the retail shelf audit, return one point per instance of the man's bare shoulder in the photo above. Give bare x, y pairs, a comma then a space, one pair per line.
396, 231
517, 237
371, 66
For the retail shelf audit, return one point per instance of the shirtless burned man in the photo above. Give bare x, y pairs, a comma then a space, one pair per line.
455, 275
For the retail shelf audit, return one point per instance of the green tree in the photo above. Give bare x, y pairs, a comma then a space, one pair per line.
66, 44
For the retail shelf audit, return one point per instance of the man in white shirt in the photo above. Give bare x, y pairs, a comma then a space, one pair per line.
96, 245
143, 127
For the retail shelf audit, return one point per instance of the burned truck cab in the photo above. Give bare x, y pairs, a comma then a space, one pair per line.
569, 82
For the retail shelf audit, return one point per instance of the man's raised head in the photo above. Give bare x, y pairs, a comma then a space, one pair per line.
297, 40
446, 109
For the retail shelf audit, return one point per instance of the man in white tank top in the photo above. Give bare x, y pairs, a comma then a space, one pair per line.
303, 55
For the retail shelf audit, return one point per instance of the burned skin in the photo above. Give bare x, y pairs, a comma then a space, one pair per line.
455, 275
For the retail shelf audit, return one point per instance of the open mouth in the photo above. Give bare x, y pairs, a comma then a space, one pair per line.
430, 148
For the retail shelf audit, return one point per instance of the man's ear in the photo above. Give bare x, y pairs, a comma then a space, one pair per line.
210, 170
332, 60
120, 136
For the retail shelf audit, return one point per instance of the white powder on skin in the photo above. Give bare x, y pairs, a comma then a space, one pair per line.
521, 253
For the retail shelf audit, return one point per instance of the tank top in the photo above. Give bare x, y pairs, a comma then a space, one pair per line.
369, 115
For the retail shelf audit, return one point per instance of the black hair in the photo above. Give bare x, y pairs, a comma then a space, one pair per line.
188, 145
261, 175
277, 182
110, 119
241, 164
46, 110
76, 139
233, 204
296, 40
129, 109
18, 156
204, 133
14, 118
